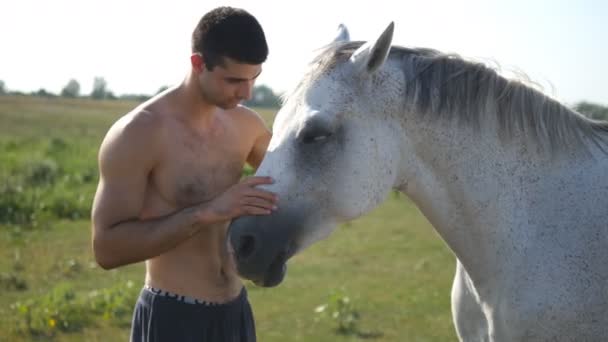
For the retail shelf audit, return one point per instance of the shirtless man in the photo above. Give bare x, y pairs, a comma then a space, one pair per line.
169, 185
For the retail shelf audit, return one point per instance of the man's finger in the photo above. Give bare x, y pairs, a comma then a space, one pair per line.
256, 211
259, 193
260, 203
256, 180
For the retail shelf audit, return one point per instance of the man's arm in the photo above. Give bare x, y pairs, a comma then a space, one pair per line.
260, 145
120, 237
126, 158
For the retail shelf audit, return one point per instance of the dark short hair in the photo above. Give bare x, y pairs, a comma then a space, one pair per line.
229, 32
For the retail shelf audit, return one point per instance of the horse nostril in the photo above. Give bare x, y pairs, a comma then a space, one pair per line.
246, 246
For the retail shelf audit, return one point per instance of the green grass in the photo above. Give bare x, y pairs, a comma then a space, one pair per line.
391, 265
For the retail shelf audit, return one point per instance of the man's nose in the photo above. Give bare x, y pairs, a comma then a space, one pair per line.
245, 91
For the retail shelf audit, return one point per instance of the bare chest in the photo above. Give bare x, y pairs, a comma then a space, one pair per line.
197, 169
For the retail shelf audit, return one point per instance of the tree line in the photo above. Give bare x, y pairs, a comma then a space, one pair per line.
262, 95
592, 110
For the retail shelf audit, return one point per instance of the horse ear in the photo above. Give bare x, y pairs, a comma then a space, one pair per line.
342, 34
369, 57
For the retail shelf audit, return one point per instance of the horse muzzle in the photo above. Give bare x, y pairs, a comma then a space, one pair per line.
261, 246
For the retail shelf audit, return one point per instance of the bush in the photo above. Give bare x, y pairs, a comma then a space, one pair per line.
12, 282
115, 304
59, 310
40, 172
64, 310
16, 205
340, 309
63, 203
38, 190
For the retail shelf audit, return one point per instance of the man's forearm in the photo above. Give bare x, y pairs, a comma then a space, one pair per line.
138, 240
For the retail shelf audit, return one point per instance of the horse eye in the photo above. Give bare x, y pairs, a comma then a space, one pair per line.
315, 137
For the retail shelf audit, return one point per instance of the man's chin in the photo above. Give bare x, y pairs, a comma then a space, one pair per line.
229, 105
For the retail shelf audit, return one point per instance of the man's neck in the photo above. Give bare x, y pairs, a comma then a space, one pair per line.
196, 109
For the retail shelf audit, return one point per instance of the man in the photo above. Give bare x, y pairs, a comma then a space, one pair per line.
169, 185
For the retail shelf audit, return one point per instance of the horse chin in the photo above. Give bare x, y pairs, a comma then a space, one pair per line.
273, 277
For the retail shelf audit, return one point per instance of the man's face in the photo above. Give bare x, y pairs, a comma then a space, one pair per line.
228, 84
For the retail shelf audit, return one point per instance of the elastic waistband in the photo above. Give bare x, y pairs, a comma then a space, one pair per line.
191, 300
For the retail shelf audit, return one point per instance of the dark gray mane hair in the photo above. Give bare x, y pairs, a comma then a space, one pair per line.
448, 86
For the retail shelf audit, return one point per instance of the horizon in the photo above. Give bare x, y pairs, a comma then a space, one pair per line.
556, 44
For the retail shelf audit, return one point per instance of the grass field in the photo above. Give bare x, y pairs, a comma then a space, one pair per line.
384, 277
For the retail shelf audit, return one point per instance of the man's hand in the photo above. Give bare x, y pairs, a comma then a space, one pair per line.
243, 199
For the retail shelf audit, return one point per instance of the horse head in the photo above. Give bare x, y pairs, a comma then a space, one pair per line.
334, 156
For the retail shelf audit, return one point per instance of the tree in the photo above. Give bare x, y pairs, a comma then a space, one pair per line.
110, 95
99, 88
134, 97
72, 89
42, 93
592, 110
2, 88
161, 89
263, 96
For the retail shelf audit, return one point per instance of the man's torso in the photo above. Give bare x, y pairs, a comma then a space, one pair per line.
196, 165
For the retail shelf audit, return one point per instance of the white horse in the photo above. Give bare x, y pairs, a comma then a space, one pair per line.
513, 181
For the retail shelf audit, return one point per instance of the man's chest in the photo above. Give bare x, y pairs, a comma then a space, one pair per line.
193, 171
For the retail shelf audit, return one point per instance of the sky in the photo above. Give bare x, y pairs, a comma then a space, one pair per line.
140, 46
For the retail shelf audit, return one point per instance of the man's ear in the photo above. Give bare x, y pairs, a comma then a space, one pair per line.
196, 59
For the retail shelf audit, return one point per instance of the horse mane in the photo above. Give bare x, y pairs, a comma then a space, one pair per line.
448, 86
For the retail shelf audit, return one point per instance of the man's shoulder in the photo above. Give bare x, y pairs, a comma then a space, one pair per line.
138, 129
248, 115
148, 115
141, 120
133, 142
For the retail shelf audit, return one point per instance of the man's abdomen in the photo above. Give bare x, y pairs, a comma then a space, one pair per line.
200, 267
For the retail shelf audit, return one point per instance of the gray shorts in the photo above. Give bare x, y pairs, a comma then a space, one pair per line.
161, 316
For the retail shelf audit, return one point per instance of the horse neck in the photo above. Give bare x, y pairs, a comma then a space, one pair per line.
464, 180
